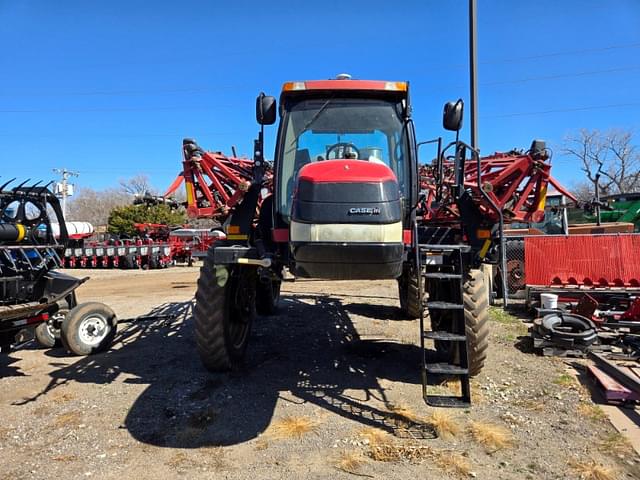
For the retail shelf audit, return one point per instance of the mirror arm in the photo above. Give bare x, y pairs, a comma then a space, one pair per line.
258, 156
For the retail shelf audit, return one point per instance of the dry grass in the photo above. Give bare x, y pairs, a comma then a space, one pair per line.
375, 436
592, 470
445, 424
492, 437
477, 395
63, 397
616, 444
565, 380
450, 462
261, 444
292, 427
350, 461
405, 412
395, 452
592, 411
453, 462
69, 419
178, 459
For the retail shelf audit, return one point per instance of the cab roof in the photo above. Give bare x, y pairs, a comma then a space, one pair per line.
345, 84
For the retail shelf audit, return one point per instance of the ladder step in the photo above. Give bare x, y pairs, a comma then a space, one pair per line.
445, 336
445, 306
444, 248
447, 401
443, 276
446, 369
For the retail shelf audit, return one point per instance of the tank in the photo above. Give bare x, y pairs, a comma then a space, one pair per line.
74, 229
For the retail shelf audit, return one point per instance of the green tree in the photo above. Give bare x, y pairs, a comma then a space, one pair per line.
122, 219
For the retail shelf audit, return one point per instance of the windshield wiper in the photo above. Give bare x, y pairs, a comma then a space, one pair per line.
310, 122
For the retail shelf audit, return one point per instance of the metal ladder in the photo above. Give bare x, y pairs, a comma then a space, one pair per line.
441, 266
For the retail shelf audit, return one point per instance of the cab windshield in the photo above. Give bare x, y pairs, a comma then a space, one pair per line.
319, 130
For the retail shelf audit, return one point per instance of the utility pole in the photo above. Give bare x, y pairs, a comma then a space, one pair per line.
63, 189
473, 78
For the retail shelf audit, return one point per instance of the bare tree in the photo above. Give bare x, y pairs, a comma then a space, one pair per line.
584, 191
89, 205
609, 157
138, 185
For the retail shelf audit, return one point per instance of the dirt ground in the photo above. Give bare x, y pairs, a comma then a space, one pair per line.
331, 388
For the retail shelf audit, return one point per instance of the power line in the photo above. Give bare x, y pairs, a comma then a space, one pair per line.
111, 93
561, 54
562, 110
116, 109
117, 135
561, 75
202, 89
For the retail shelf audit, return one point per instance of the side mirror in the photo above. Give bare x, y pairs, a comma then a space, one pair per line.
452, 116
265, 109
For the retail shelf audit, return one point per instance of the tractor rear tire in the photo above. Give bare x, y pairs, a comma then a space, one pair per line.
225, 309
476, 318
267, 296
411, 296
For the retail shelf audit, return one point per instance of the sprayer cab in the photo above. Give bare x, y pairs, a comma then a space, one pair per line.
344, 174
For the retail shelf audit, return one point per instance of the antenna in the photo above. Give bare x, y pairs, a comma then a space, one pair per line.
64, 189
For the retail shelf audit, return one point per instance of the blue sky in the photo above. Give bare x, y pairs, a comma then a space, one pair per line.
110, 88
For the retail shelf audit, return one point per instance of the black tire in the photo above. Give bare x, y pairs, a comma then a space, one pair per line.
476, 317
411, 296
88, 328
152, 262
48, 333
267, 296
225, 309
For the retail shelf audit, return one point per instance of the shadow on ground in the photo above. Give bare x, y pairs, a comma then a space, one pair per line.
309, 352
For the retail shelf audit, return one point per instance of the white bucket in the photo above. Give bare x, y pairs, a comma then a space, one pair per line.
549, 300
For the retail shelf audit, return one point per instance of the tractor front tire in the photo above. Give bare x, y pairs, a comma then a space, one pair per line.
224, 311
267, 296
476, 318
411, 296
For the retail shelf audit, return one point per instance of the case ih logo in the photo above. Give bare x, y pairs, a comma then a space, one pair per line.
364, 211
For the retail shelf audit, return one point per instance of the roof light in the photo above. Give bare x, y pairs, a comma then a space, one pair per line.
343, 76
396, 86
291, 86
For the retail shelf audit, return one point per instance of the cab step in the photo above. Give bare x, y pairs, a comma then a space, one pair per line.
446, 401
445, 369
445, 336
443, 276
445, 305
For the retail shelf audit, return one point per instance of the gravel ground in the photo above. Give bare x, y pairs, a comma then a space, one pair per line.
330, 389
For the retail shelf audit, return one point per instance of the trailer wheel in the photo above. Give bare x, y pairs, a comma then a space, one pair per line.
476, 317
267, 296
48, 333
224, 311
88, 328
411, 299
